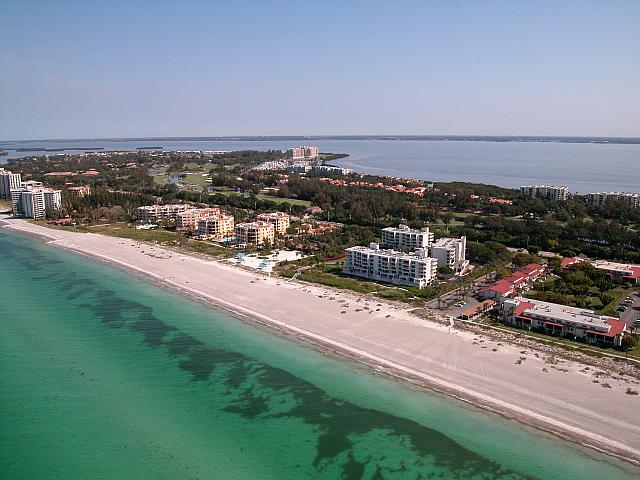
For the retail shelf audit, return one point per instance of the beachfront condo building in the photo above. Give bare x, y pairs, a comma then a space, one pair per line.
400, 268
302, 152
451, 252
216, 227
598, 199
558, 193
279, 220
32, 200
9, 181
561, 320
189, 220
255, 233
161, 213
405, 238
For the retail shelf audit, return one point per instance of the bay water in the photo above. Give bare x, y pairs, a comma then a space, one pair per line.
104, 375
583, 167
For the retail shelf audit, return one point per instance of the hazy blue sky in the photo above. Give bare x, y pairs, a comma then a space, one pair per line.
153, 68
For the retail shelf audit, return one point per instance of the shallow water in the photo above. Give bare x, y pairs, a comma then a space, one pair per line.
104, 375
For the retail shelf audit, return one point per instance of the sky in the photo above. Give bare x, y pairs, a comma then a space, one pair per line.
101, 69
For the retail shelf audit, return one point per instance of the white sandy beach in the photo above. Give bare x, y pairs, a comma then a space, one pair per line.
379, 334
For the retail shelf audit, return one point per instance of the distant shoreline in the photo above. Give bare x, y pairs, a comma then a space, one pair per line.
6, 144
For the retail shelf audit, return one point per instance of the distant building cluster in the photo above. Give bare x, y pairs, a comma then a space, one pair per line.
558, 193
302, 152
406, 256
599, 199
213, 224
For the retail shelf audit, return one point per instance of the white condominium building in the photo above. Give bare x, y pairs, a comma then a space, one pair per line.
451, 252
331, 170
279, 220
189, 220
415, 269
161, 213
32, 200
255, 233
217, 227
598, 199
405, 238
558, 193
8, 181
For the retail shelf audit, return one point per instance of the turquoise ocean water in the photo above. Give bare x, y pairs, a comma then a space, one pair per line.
105, 376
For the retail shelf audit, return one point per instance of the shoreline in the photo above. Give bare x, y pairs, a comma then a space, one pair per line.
336, 347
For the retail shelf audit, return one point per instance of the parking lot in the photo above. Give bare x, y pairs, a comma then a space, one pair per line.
632, 304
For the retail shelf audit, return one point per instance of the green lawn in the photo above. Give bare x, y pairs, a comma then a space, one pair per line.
160, 179
195, 179
262, 196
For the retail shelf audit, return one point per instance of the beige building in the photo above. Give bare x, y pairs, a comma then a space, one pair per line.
216, 227
189, 220
279, 220
255, 233
161, 213
81, 191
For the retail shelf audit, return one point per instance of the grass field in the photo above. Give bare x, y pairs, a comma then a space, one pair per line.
262, 196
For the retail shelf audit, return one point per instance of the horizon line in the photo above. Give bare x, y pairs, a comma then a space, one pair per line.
335, 137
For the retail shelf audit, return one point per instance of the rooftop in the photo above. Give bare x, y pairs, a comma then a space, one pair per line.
569, 315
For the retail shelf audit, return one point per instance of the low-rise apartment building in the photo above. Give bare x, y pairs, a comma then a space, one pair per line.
514, 283
255, 233
9, 181
619, 271
405, 238
161, 213
279, 220
216, 227
561, 320
451, 252
189, 219
598, 199
331, 170
559, 193
391, 266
